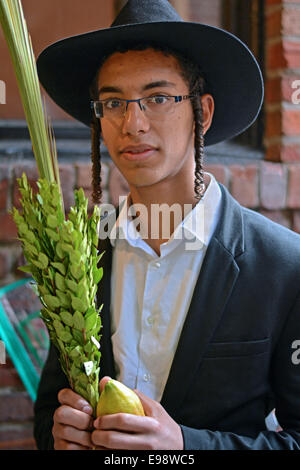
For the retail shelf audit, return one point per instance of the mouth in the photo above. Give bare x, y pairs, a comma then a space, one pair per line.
141, 152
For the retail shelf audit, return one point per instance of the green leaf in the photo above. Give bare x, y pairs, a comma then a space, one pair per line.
97, 274
65, 336
52, 221
52, 302
77, 271
43, 260
60, 281
64, 298
78, 336
31, 249
75, 257
78, 321
90, 321
79, 304
52, 234
59, 250
67, 318
73, 286
58, 326
60, 267
25, 269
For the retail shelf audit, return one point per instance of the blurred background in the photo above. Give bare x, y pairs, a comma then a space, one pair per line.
261, 167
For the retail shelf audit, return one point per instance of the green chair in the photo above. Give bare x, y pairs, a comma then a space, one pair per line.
23, 332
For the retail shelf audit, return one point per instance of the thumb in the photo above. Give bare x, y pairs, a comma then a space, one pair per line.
151, 407
103, 382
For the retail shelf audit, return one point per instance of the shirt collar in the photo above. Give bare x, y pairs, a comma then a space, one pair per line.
199, 222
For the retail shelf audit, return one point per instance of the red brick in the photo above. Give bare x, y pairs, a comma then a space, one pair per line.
4, 188
282, 122
283, 54
273, 90
273, 123
273, 152
281, 89
15, 406
8, 229
19, 444
291, 51
273, 183
273, 24
5, 267
17, 436
275, 2
293, 194
280, 217
244, 184
84, 175
291, 122
283, 152
9, 377
219, 172
290, 153
291, 21
274, 56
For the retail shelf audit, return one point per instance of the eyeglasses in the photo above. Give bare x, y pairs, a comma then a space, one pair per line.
153, 106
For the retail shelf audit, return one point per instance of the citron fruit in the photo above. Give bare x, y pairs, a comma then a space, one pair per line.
117, 398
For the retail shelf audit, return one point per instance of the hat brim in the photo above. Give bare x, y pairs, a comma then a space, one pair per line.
67, 68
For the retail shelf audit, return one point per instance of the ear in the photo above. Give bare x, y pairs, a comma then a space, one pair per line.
208, 107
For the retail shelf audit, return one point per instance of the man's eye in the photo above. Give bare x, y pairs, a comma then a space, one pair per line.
159, 99
112, 104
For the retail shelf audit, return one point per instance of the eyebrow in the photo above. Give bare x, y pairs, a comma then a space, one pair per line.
149, 86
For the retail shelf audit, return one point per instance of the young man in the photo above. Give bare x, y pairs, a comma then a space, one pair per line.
204, 322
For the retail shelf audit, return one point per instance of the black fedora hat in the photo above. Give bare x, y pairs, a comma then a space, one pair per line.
67, 67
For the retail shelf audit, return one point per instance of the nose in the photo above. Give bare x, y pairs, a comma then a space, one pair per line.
135, 121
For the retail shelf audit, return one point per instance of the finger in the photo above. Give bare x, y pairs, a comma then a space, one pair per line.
65, 445
72, 417
126, 422
120, 440
66, 396
103, 382
72, 435
151, 407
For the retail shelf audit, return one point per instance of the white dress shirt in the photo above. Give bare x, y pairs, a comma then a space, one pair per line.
151, 294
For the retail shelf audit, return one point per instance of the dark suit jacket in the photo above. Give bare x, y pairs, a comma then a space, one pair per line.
233, 363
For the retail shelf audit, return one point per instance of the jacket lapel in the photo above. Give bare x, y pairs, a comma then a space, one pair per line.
107, 366
212, 291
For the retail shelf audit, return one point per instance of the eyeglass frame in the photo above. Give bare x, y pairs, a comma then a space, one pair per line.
178, 99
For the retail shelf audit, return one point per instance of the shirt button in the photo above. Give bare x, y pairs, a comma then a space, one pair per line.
150, 320
157, 265
146, 377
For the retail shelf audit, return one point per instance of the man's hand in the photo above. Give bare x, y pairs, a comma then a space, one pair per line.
73, 422
155, 431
